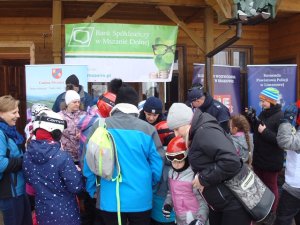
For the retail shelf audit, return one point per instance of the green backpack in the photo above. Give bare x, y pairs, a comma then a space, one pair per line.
102, 157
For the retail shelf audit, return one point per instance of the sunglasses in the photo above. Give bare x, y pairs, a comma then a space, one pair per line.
178, 157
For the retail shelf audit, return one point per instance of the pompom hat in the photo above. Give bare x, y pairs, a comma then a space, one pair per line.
71, 95
270, 95
153, 105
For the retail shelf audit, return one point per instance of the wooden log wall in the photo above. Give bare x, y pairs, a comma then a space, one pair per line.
38, 30
285, 42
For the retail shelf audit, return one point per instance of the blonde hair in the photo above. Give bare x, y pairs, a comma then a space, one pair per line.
8, 103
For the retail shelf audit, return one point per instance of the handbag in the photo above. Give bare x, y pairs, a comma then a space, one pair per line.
254, 195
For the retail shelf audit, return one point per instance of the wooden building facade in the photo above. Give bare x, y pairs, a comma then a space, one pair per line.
32, 32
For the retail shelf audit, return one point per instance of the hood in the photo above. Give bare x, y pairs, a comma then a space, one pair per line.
125, 108
199, 120
240, 140
41, 151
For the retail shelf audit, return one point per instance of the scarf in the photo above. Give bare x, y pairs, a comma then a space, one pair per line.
11, 132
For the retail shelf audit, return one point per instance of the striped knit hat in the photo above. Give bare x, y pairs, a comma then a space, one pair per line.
270, 95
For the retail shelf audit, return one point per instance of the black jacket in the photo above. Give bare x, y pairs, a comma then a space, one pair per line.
267, 155
213, 156
217, 110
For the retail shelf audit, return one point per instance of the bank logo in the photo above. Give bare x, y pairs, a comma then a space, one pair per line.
81, 36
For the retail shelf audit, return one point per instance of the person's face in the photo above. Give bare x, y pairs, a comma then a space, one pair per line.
10, 117
198, 102
73, 106
265, 104
151, 117
178, 164
182, 131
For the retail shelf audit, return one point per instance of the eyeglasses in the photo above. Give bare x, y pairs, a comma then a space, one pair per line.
161, 49
180, 156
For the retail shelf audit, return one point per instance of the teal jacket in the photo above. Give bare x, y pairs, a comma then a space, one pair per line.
12, 180
140, 156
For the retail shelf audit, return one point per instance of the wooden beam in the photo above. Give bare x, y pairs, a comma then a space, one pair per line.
101, 11
209, 46
172, 16
21, 44
221, 7
56, 31
224, 36
288, 6
190, 3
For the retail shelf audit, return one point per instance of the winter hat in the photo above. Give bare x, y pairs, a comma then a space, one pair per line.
71, 95
127, 94
270, 95
72, 79
153, 105
195, 93
179, 115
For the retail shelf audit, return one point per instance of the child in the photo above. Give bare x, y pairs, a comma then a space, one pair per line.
242, 139
52, 173
189, 206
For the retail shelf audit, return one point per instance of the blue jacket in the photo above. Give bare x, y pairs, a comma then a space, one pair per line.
12, 181
53, 175
85, 99
140, 156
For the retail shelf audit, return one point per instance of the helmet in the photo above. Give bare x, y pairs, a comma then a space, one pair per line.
176, 145
105, 103
37, 108
164, 133
49, 121
176, 149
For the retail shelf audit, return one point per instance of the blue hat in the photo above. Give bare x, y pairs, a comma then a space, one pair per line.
195, 93
153, 105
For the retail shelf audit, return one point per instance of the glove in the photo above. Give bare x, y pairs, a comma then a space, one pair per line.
196, 222
290, 114
250, 113
166, 210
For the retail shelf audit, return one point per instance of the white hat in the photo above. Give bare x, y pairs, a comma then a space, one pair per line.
71, 96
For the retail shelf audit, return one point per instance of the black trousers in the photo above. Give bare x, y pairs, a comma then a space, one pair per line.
229, 217
128, 218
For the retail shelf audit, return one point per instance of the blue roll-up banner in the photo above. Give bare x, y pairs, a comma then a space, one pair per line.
227, 84
45, 82
281, 77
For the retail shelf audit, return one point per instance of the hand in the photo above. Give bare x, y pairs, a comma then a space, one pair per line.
196, 183
166, 210
196, 222
261, 128
290, 114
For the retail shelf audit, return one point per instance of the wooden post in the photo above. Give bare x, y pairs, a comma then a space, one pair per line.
56, 35
209, 46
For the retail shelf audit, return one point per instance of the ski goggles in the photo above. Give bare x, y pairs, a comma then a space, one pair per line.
180, 156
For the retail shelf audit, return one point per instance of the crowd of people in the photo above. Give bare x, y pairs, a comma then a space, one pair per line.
173, 164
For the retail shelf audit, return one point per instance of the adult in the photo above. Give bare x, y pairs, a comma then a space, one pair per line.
137, 145
267, 155
14, 203
52, 173
205, 102
72, 83
152, 111
213, 159
71, 112
289, 139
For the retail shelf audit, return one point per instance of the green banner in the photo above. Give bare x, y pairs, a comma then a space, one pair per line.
135, 53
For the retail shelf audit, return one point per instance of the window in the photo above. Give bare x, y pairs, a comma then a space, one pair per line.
235, 56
